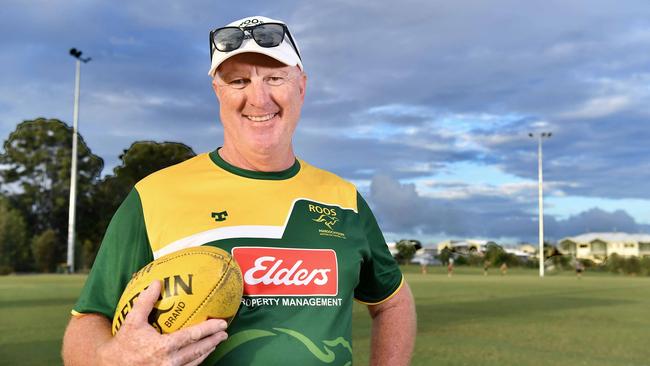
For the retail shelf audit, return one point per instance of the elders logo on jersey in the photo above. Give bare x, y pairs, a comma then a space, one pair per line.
288, 271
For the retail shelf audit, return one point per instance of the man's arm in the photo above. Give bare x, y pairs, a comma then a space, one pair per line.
88, 339
393, 329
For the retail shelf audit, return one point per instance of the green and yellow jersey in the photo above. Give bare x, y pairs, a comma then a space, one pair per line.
306, 241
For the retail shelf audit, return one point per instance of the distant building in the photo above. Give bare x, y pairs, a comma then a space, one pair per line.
598, 246
528, 249
524, 253
478, 246
425, 256
463, 246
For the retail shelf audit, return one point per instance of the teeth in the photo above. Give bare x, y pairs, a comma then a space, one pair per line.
261, 118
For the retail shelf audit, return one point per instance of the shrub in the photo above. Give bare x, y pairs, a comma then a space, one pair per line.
645, 266
444, 255
14, 246
588, 263
562, 262
44, 249
614, 263
461, 260
632, 265
475, 260
531, 263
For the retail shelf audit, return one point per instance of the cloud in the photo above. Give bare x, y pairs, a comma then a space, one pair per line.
402, 89
401, 209
363, 157
601, 158
613, 96
596, 220
599, 107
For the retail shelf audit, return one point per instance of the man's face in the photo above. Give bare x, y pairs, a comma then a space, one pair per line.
260, 101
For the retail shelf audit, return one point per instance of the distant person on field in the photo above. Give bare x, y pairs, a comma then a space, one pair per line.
450, 267
504, 269
423, 265
486, 266
579, 268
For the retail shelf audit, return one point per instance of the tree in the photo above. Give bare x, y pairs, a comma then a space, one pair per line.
35, 175
14, 247
444, 255
145, 157
139, 160
44, 247
406, 250
494, 253
497, 255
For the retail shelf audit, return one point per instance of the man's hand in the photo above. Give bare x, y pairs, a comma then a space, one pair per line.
137, 342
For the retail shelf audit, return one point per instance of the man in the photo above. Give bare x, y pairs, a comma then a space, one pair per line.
255, 199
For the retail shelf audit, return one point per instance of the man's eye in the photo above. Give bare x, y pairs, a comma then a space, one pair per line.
275, 80
238, 83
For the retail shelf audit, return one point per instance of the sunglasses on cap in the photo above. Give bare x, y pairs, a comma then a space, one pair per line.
266, 35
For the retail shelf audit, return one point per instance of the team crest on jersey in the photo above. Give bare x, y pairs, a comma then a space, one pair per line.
288, 271
328, 217
328, 221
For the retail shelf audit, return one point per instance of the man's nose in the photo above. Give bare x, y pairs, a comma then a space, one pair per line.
258, 93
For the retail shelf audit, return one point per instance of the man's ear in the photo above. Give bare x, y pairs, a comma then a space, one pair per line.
302, 84
215, 85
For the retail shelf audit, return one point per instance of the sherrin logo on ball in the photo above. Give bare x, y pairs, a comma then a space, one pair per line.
197, 284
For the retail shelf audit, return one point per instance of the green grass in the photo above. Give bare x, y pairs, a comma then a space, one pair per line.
468, 319
520, 319
35, 310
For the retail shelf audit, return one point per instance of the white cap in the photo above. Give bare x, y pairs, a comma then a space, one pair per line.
284, 53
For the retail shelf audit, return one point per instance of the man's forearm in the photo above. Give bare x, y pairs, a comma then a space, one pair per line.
83, 336
393, 329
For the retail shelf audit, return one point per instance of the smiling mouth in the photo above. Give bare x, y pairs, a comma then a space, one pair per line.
263, 118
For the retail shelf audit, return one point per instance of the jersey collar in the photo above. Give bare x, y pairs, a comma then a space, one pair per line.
281, 175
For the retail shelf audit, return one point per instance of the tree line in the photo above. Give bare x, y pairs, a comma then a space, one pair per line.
35, 186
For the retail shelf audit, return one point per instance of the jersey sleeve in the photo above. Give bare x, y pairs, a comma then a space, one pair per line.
380, 276
124, 250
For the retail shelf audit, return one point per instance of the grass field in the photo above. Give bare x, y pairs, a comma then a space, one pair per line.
468, 319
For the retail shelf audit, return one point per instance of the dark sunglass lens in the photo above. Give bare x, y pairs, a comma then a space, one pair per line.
228, 39
268, 35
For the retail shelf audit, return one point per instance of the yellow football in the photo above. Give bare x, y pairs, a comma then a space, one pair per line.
197, 284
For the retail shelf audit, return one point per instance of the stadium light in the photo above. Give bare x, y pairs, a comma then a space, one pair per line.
73, 169
540, 190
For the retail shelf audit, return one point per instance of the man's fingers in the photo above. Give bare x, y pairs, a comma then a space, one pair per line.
199, 360
145, 302
195, 353
197, 332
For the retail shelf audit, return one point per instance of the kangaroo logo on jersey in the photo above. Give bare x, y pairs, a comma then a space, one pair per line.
328, 217
329, 221
287, 271
220, 216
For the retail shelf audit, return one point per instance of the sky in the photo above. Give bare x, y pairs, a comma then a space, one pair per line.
425, 105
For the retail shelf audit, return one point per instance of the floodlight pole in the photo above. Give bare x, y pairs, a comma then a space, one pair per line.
540, 192
73, 168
